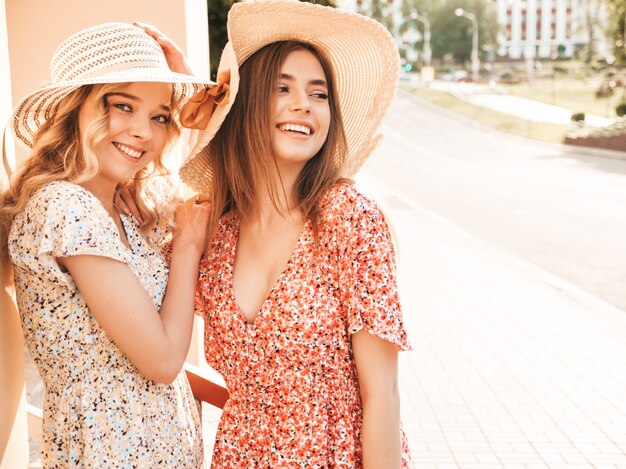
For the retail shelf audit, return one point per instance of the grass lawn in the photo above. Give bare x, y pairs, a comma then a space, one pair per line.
577, 95
504, 122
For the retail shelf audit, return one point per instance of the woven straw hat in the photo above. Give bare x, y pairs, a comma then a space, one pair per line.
362, 54
106, 53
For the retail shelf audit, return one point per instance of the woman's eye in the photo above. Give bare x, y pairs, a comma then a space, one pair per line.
162, 119
122, 107
320, 95
283, 89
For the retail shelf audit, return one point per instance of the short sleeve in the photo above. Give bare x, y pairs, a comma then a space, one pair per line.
62, 220
372, 299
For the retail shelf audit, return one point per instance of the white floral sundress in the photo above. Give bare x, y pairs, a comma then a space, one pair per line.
99, 411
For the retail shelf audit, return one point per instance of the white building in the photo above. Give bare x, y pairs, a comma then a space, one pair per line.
538, 28
528, 28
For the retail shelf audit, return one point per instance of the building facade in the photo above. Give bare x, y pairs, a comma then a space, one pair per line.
541, 28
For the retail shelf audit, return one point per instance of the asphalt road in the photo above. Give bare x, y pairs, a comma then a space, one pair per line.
561, 208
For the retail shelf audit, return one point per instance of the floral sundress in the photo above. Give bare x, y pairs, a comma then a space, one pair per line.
99, 411
294, 392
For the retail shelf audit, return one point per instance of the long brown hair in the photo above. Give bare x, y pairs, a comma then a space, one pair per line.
242, 158
59, 154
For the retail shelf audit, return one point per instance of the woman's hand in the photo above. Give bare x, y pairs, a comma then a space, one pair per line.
125, 203
191, 219
173, 54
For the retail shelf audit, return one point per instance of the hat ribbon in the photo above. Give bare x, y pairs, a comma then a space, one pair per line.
197, 112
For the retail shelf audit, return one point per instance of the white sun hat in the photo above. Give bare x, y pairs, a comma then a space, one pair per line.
105, 53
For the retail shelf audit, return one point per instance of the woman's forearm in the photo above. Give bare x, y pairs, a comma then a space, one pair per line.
381, 435
177, 309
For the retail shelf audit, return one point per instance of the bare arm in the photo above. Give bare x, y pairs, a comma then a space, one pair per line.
156, 342
377, 365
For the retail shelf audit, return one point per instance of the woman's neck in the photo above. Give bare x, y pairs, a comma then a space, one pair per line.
284, 191
103, 190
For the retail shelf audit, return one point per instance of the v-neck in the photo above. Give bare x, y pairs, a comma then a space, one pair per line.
231, 272
130, 249
127, 233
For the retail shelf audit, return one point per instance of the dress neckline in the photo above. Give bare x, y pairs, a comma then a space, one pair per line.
125, 221
252, 326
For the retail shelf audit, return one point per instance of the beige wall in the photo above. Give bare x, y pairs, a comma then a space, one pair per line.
30, 30
37, 27
13, 433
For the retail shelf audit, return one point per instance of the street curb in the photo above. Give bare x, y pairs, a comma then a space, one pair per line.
567, 288
595, 152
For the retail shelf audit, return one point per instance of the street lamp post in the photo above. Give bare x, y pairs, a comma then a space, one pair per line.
475, 62
427, 50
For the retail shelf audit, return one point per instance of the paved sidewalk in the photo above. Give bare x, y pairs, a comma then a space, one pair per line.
497, 99
512, 367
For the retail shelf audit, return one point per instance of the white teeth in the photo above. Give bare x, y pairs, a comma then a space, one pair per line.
296, 128
129, 151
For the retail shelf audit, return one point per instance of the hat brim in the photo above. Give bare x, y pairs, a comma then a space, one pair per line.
361, 52
35, 109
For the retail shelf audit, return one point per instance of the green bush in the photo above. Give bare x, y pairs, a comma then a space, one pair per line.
604, 91
578, 117
620, 109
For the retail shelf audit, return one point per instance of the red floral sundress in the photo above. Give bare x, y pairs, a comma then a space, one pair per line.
294, 393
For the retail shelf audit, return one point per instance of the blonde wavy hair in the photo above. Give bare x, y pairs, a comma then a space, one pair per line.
59, 154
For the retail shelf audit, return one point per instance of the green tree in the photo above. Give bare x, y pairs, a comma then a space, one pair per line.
415, 6
379, 13
421, 7
218, 36
591, 10
409, 8
453, 35
377, 10
616, 30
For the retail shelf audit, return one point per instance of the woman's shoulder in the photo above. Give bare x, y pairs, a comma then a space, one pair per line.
63, 194
224, 231
346, 200
58, 203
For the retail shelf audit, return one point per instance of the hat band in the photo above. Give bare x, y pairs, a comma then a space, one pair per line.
100, 73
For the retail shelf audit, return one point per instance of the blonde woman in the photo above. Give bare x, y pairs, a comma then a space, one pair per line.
107, 329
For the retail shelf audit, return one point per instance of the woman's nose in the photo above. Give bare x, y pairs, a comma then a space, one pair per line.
141, 127
300, 102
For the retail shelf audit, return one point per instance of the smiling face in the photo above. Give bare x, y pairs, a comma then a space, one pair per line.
300, 116
137, 127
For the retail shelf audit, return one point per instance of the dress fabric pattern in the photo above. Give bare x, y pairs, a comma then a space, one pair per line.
99, 411
294, 393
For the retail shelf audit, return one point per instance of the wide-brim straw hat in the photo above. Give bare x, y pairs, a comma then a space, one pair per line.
105, 53
362, 53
